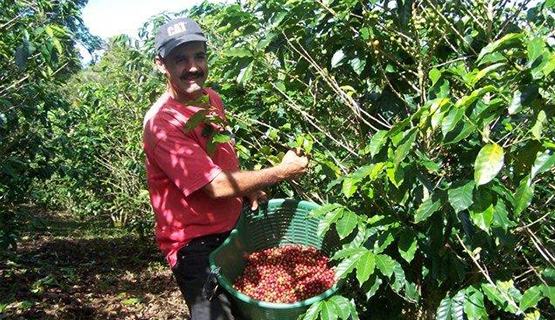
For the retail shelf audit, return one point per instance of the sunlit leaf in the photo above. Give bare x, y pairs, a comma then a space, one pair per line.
426, 209
444, 310
460, 195
457, 306
313, 311
195, 120
488, 163
531, 297
407, 245
404, 148
474, 304
365, 267
543, 163
330, 218
385, 264
346, 224
337, 58
342, 306
377, 142
346, 266
524, 195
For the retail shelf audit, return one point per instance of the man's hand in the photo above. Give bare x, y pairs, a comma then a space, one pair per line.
256, 197
293, 165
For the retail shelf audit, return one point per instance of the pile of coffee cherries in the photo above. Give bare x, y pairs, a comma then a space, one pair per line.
285, 274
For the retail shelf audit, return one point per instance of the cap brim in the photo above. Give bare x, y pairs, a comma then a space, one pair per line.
174, 43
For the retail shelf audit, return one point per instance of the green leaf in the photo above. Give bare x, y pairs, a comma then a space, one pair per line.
195, 120
543, 163
505, 41
501, 216
482, 73
383, 241
549, 292
365, 267
337, 58
396, 176
474, 304
322, 210
328, 220
531, 297
377, 142
328, 311
538, 126
400, 278
488, 163
346, 266
524, 195
342, 306
494, 295
406, 145
451, 120
457, 305
465, 101
238, 52
221, 138
385, 264
357, 65
350, 186
313, 311
372, 286
346, 224
481, 212
550, 65
460, 195
407, 245
535, 48
426, 209
245, 74
444, 310
434, 75
548, 275
343, 253
354, 313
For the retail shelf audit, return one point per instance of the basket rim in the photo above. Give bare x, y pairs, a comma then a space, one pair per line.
265, 304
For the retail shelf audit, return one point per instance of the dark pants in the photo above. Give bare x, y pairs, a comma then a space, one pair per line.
192, 271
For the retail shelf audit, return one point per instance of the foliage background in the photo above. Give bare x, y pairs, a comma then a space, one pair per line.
430, 125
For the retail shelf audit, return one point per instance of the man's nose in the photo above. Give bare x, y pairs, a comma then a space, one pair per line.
192, 66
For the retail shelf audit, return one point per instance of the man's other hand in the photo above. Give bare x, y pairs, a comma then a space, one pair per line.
293, 165
256, 197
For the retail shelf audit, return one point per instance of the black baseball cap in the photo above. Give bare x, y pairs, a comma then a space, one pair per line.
177, 32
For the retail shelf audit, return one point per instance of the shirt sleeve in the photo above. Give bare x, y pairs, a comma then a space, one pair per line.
184, 161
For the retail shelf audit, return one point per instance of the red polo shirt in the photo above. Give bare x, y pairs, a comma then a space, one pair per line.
177, 167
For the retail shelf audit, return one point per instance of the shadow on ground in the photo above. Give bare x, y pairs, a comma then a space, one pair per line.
65, 269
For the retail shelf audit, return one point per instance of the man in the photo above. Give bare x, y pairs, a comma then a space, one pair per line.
196, 197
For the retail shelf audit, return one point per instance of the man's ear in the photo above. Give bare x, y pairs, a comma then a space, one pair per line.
160, 64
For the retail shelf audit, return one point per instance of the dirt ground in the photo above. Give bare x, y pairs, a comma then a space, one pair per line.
63, 269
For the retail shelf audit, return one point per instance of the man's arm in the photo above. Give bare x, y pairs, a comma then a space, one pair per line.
237, 183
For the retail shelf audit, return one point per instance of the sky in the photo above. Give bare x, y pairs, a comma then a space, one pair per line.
107, 18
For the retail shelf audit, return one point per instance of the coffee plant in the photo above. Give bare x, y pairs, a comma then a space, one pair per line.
430, 125
38, 52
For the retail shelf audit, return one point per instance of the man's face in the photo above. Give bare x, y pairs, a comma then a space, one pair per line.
186, 69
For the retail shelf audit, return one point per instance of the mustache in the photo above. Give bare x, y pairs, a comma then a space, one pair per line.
192, 75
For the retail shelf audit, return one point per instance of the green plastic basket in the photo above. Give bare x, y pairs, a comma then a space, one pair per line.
281, 222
